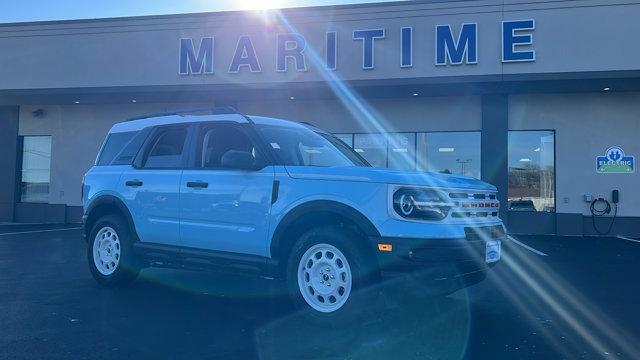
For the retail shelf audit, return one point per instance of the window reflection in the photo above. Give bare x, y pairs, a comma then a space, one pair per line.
401, 151
373, 147
450, 153
531, 171
346, 138
36, 161
444, 152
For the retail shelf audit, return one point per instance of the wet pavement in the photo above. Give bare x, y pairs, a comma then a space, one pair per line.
575, 297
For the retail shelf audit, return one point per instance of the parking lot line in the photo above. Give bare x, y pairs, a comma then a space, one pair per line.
39, 231
526, 246
628, 239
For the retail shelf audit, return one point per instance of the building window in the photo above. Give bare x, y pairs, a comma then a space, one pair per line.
401, 151
372, 147
444, 152
450, 153
531, 171
346, 138
36, 169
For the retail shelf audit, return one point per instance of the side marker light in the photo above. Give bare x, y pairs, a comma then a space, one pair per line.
385, 247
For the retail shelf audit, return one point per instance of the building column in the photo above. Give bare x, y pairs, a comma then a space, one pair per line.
9, 116
495, 131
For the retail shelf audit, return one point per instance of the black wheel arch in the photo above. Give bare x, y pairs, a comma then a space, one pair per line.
319, 213
104, 205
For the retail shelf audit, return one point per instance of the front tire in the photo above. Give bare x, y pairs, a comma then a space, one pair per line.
324, 270
110, 252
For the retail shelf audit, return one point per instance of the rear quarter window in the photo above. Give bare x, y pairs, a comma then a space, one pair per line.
113, 145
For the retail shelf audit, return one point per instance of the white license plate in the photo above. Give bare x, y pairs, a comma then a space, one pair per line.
492, 253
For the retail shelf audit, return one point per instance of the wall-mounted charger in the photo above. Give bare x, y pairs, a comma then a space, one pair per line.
601, 207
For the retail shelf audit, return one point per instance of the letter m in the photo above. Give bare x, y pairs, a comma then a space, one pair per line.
455, 52
196, 63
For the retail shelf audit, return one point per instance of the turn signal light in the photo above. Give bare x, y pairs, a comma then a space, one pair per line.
385, 247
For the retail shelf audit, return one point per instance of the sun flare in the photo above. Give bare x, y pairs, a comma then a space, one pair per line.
261, 4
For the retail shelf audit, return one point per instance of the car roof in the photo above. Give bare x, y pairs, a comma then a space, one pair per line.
263, 120
139, 124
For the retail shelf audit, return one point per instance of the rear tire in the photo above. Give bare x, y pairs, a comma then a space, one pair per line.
325, 269
110, 252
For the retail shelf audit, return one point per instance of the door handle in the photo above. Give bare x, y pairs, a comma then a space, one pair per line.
133, 183
197, 184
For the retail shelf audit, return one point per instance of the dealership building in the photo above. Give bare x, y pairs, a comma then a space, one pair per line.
540, 98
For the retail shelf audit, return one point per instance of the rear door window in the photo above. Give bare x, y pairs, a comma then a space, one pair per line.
166, 148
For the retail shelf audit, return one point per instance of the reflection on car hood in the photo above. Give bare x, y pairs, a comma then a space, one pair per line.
388, 176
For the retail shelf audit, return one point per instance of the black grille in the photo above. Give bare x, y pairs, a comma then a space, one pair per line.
462, 214
458, 214
484, 233
477, 196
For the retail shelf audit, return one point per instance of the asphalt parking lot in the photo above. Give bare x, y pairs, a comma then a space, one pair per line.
573, 297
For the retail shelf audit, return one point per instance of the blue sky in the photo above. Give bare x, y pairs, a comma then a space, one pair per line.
38, 10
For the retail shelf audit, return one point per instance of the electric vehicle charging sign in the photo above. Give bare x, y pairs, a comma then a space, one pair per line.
615, 161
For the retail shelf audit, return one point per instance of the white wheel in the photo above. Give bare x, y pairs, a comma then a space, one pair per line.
106, 251
324, 278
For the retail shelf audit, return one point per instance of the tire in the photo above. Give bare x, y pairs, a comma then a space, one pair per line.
111, 261
331, 256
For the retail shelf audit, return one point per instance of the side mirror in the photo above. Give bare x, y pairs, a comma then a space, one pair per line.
241, 160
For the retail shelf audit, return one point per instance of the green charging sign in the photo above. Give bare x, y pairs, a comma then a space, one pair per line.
615, 161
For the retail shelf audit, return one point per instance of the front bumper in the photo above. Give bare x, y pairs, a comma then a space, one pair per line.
438, 258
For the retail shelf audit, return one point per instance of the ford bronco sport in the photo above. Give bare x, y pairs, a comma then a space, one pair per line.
282, 199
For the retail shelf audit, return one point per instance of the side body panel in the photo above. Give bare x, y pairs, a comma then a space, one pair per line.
100, 181
231, 214
367, 198
155, 205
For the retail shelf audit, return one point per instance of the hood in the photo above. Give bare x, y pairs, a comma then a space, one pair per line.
388, 176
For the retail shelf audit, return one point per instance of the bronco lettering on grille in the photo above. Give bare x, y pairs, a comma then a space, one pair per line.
480, 205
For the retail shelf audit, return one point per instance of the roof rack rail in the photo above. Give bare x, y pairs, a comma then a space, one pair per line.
220, 110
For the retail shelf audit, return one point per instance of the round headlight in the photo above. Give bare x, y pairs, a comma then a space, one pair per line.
420, 204
406, 203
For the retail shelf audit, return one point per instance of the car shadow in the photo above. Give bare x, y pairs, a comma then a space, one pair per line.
387, 324
201, 314
192, 314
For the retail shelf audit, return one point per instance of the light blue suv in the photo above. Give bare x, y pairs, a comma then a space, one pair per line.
285, 200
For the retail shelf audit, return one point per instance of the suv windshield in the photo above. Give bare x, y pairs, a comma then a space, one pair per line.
305, 147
